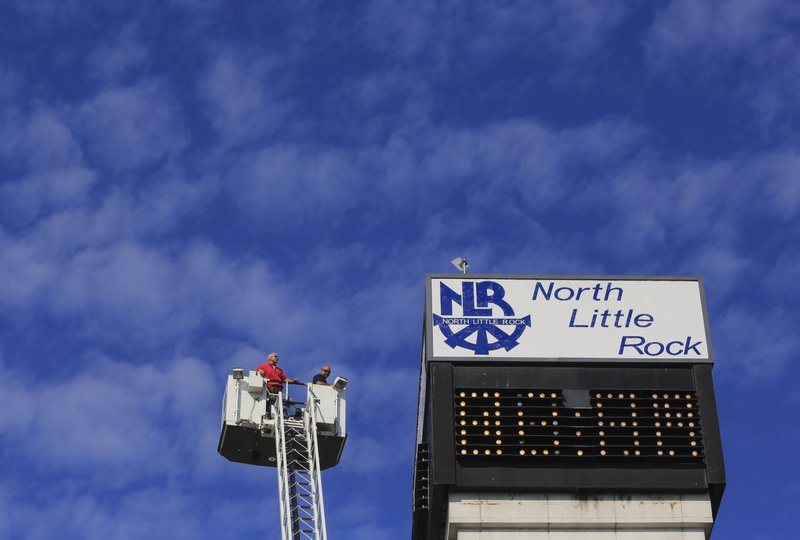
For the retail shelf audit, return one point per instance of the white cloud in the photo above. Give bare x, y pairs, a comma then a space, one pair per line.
111, 423
125, 282
149, 512
700, 45
581, 29
131, 127
133, 446
442, 32
10, 82
368, 455
772, 93
723, 267
753, 343
121, 290
119, 214
297, 184
103, 259
701, 206
118, 55
5, 512
244, 97
782, 272
526, 157
686, 27
38, 141
54, 189
779, 176
24, 273
397, 29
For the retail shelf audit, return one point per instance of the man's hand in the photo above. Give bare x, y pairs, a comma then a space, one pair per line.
293, 380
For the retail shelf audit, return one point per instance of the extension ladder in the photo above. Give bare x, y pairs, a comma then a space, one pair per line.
299, 479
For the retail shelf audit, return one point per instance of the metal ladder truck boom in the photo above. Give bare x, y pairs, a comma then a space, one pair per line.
258, 429
299, 477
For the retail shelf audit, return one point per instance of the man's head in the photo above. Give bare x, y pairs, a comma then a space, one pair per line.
272, 358
326, 370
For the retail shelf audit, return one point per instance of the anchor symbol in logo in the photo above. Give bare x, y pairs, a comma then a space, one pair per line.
482, 328
474, 300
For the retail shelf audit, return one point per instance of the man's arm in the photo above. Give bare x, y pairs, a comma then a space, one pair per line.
287, 379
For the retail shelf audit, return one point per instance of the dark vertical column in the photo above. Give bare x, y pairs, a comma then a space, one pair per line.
442, 445
442, 430
715, 466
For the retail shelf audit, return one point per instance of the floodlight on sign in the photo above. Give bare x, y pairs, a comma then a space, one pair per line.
461, 264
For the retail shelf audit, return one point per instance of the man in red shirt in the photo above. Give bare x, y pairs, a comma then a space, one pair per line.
273, 374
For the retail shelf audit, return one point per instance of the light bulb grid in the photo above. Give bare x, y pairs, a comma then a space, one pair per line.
536, 424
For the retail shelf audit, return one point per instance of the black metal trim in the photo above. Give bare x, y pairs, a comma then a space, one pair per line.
442, 435
715, 463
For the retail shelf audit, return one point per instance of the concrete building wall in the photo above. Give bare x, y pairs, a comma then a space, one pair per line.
506, 516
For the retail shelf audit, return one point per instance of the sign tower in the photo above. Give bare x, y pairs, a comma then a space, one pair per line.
566, 407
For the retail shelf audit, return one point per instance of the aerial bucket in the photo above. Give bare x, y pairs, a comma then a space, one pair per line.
248, 428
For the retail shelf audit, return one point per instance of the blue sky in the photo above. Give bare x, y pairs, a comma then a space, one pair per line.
187, 185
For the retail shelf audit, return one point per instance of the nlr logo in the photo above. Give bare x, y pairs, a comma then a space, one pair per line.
477, 317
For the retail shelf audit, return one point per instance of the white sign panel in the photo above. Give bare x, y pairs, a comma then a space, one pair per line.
568, 318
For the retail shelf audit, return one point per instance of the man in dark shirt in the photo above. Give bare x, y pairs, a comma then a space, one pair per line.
274, 375
322, 376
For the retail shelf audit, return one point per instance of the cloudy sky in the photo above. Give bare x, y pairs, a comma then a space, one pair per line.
186, 185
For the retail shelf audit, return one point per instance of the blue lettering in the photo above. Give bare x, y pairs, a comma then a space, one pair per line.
474, 299
635, 346
468, 304
539, 288
446, 297
656, 348
669, 347
649, 350
569, 293
609, 289
496, 296
572, 323
692, 347
598, 292
581, 290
